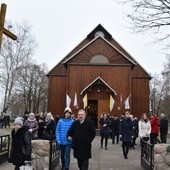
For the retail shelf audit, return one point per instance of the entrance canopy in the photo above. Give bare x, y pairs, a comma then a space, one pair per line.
98, 80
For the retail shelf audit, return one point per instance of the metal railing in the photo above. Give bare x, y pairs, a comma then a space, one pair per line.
146, 155
4, 148
54, 155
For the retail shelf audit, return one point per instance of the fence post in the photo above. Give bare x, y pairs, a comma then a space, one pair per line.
146, 155
151, 159
50, 156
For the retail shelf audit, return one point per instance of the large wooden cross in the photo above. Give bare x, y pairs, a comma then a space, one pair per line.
2, 29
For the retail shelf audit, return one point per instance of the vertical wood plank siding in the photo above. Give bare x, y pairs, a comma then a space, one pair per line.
56, 95
119, 79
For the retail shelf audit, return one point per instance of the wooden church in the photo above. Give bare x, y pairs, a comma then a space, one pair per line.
100, 69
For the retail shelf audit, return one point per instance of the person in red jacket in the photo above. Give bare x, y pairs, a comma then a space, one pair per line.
154, 129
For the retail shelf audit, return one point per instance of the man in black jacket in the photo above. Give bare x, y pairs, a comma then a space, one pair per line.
82, 133
163, 128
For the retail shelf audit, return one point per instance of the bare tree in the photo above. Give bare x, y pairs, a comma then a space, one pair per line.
149, 15
156, 94
32, 87
13, 55
166, 83
160, 91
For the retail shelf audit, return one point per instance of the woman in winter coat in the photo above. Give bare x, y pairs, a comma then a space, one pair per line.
154, 130
105, 130
126, 133
62, 128
144, 127
49, 128
21, 144
32, 125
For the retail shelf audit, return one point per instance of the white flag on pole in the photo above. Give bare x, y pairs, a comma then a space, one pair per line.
75, 100
127, 105
68, 100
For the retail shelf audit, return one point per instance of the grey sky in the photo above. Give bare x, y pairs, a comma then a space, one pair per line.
60, 25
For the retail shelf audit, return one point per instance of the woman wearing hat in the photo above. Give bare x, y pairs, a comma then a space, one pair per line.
62, 128
32, 125
21, 144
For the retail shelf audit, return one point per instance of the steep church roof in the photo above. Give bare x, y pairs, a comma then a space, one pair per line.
97, 33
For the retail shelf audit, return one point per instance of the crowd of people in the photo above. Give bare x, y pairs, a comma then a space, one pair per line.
128, 128
4, 120
67, 131
78, 134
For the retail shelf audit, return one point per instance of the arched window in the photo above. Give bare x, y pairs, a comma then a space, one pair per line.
99, 59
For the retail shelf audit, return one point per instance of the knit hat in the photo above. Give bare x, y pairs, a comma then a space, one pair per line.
32, 114
19, 120
67, 109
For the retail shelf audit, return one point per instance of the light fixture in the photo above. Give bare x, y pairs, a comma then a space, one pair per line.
98, 90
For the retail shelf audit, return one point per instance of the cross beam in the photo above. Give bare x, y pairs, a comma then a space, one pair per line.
2, 29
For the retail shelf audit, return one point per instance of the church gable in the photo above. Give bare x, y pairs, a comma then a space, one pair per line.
97, 48
99, 51
98, 81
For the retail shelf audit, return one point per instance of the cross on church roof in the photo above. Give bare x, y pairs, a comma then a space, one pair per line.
2, 21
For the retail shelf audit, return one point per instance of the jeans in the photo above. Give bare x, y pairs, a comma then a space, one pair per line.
65, 155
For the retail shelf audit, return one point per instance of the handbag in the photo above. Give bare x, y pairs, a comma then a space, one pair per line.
46, 135
35, 135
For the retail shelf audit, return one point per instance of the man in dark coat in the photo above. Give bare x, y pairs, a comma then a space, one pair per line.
82, 133
105, 130
126, 133
115, 129
163, 128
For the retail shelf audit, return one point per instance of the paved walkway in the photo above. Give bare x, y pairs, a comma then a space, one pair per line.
111, 159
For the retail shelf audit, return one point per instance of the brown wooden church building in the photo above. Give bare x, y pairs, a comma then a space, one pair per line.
99, 67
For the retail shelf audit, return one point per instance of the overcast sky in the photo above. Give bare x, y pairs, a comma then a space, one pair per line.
60, 25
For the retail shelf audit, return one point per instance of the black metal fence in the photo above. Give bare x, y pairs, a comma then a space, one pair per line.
146, 155
54, 155
4, 148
